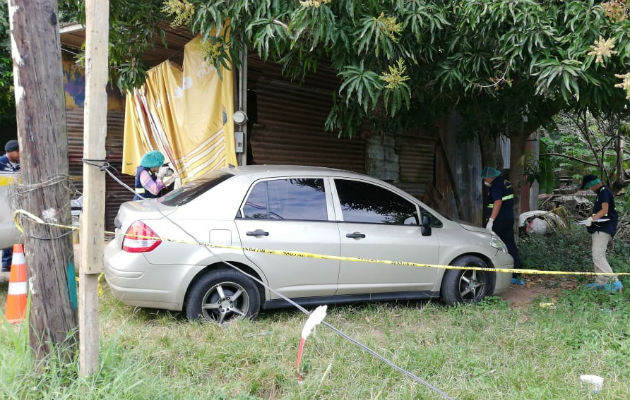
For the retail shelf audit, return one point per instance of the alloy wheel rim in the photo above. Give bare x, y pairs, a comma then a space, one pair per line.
225, 302
471, 285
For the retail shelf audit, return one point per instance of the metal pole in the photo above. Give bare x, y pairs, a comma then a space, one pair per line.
242, 102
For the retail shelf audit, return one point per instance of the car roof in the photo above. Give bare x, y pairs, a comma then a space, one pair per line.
261, 171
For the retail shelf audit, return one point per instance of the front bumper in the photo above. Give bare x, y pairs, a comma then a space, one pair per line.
502, 260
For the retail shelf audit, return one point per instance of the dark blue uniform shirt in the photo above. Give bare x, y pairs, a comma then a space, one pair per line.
501, 189
5, 165
604, 195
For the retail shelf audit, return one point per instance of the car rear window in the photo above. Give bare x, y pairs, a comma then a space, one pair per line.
192, 190
287, 199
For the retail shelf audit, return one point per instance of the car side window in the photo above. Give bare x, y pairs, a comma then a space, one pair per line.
365, 202
287, 199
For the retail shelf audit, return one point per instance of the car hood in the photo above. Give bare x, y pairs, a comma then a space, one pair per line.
472, 228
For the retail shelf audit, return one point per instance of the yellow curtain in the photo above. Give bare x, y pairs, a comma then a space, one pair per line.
186, 113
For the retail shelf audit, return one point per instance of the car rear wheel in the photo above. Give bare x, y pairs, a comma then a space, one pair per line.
223, 296
467, 286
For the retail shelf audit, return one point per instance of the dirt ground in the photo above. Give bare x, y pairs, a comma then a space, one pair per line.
537, 287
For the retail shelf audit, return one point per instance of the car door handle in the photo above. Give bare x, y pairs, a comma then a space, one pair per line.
257, 232
355, 235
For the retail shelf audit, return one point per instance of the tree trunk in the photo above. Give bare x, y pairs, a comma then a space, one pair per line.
620, 181
518, 143
490, 151
40, 108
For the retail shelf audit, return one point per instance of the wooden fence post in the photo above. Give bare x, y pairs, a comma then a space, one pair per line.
93, 217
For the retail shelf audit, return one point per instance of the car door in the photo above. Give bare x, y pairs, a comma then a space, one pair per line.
378, 223
293, 214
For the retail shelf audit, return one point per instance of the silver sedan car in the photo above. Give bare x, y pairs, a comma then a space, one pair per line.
155, 263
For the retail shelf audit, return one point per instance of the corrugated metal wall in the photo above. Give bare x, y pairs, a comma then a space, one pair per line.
290, 121
416, 162
115, 194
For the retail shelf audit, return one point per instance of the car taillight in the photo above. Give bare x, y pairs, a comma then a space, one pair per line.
139, 238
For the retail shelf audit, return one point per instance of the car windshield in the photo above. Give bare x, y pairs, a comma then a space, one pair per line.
194, 189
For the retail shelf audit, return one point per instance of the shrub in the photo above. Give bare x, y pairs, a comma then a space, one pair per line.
569, 251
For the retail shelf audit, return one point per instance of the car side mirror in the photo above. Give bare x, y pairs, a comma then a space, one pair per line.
426, 226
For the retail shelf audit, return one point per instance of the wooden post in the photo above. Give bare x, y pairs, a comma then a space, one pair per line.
92, 220
40, 111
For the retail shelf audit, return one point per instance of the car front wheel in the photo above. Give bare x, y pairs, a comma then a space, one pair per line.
223, 296
467, 286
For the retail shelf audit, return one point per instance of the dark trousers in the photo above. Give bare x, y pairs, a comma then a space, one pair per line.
7, 256
504, 230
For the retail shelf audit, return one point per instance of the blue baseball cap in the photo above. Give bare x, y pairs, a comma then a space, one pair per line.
12, 145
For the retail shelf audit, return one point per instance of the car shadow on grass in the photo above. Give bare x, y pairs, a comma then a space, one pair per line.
283, 314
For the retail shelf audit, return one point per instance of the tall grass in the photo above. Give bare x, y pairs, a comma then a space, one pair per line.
488, 351
570, 251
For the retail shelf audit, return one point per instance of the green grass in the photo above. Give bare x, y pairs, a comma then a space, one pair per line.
488, 351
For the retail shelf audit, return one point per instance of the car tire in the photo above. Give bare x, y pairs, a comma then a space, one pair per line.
467, 286
223, 296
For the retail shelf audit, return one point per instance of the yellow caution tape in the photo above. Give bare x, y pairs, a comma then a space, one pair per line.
6, 180
98, 281
323, 256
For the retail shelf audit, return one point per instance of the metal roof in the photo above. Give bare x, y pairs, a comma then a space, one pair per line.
171, 48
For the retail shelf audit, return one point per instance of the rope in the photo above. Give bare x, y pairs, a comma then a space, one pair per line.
104, 165
20, 191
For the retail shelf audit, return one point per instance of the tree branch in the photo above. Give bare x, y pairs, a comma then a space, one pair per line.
571, 158
587, 135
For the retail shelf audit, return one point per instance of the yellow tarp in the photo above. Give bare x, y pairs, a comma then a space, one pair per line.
186, 113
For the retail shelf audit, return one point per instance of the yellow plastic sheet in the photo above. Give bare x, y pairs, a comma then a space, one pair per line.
186, 113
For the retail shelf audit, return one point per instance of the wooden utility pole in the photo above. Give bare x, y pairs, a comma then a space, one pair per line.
41, 121
92, 220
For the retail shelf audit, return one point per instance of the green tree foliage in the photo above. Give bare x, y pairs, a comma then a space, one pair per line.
579, 142
506, 65
7, 102
134, 24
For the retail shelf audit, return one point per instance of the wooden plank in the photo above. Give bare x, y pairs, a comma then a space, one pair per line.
92, 226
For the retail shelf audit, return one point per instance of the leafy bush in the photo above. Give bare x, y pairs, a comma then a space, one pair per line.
569, 251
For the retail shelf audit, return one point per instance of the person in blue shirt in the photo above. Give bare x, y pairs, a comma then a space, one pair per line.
10, 162
499, 212
152, 176
602, 225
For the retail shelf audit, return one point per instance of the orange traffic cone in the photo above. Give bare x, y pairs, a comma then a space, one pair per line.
16, 298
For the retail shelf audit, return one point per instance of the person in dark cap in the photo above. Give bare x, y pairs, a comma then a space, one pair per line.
602, 225
10, 162
500, 213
